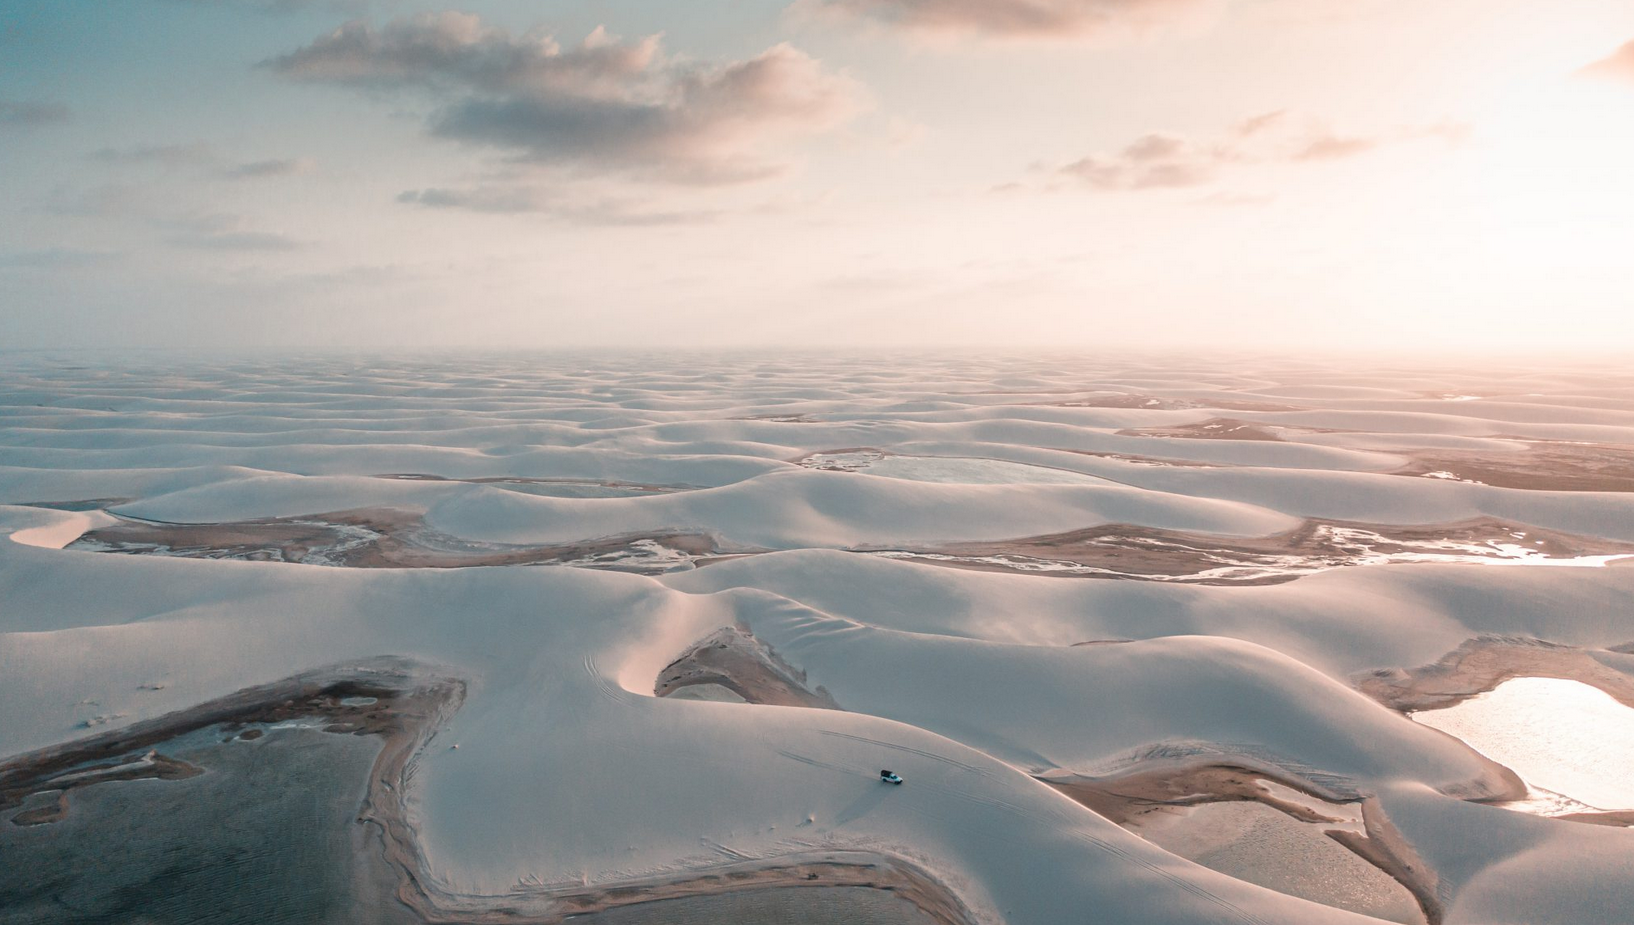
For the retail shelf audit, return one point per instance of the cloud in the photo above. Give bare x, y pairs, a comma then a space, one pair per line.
239, 241
603, 106
222, 231
1027, 19
199, 154
144, 207
1335, 147
1151, 162
104, 201
277, 6
458, 52
171, 155
54, 258
503, 199
1166, 161
1620, 66
25, 114
275, 167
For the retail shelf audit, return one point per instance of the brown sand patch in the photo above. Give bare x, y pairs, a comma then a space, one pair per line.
783, 418
737, 661
830, 461
152, 766
632, 487
1221, 429
87, 504
384, 538
1483, 663
1153, 403
1619, 819
1544, 465
1384, 847
1158, 461
809, 869
1128, 798
1122, 551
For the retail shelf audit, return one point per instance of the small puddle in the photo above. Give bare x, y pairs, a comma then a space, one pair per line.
1573, 744
266, 836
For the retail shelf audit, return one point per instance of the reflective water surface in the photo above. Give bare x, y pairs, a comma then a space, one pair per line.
1562, 737
265, 836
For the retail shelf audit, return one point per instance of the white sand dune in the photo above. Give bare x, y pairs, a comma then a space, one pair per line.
971, 684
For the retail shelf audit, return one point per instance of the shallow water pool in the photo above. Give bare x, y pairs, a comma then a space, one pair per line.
1564, 737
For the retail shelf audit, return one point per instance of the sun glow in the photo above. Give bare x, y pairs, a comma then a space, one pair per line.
1552, 178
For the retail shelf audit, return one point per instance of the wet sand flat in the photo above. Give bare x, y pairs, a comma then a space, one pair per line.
1542, 466
553, 487
1145, 553
1259, 844
741, 665
826, 906
1482, 664
394, 539
386, 539
1265, 826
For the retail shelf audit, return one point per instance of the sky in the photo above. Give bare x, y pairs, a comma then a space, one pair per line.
1304, 175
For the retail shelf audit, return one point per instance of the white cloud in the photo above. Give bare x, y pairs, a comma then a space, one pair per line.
1620, 66
272, 168
603, 106
1167, 161
1047, 19
24, 114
